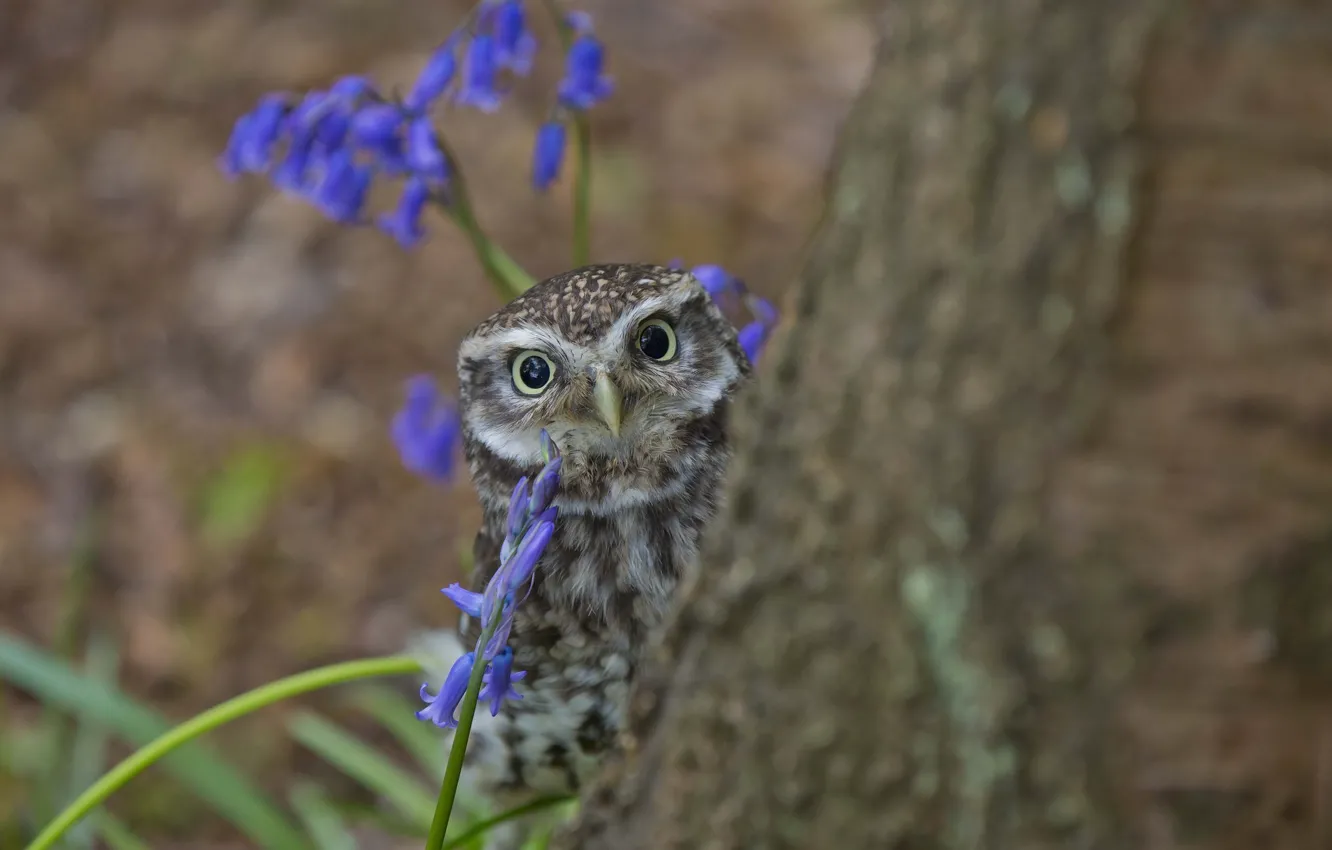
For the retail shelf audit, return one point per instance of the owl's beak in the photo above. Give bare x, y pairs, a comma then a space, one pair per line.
610, 404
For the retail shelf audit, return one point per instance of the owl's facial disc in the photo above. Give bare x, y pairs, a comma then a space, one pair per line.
619, 395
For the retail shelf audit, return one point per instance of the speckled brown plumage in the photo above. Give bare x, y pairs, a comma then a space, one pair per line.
632, 506
582, 303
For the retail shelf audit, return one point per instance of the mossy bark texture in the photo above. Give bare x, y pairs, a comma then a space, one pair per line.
1021, 548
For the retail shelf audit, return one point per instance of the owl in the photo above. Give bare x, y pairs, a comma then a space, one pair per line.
631, 369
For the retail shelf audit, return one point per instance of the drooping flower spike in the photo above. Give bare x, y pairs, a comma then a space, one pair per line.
529, 527
328, 147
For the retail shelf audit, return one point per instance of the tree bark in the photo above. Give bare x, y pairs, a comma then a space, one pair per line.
1028, 538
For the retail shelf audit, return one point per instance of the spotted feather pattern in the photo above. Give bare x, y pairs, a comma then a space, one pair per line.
632, 508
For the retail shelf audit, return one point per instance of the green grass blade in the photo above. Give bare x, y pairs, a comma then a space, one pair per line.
116, 835
397, 714
57, 730
213, 780
87, 752
321, 818
478, 830
364, 764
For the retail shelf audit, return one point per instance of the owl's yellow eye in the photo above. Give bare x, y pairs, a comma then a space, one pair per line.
656, 339
532, 372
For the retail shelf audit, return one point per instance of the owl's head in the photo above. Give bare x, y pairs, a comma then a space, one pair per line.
612, 360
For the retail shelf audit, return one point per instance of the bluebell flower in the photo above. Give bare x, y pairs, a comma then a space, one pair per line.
499, 681
514, 43
715, 279
351, 88
442, 707
752, 338
754, 335
336, 143
543, 489
578, 21
584, 85
548, 154
518, 567
376, 124
425, 156
404, 223
468, 601
329, 146
725, 288
528, 531
341, 191
435, 77
254, 136
517, 510
480, 77
427, 431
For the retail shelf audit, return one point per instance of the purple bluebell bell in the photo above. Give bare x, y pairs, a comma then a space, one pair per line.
520, 567
548, 154
584, 84
480, 76
468, 601
515, 45
425, 156
435, 77
753, 337
376, 124
578, 21
499, 681
442, 707
404, 223
427, 431
254, 136
715, 279
351, 88
517, 509
341, 191
547, 482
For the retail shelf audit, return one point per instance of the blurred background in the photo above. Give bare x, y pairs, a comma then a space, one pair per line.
196, 376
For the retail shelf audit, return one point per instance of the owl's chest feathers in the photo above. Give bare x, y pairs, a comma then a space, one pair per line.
618, 571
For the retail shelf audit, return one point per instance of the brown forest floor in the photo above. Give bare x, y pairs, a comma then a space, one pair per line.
171, 343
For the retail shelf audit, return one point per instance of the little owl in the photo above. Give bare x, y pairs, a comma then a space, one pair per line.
631, 369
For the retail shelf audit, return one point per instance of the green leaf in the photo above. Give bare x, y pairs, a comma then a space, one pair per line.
87, 752
397, 714
321, 817
213, 780
116, 835
236, 501
363, 763
477, 831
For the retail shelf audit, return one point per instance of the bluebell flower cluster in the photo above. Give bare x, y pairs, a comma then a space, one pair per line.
329, 146
531, 524
726, 289
427, 430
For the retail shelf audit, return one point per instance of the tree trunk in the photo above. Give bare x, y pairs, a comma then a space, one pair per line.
1029, 539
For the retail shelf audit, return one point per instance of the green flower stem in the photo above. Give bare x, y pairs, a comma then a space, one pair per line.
504, 272
448, 790
482, 827
264, 695
582, 213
